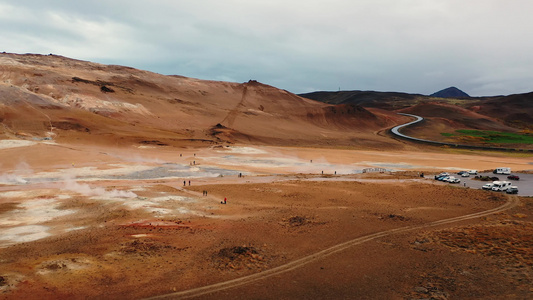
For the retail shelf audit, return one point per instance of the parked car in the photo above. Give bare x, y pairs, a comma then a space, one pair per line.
465, 175
488, 186
462, 172
513, 177
472, 172
512, 190
443, 174
454, 180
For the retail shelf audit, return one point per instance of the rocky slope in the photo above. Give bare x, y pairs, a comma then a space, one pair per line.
56, 97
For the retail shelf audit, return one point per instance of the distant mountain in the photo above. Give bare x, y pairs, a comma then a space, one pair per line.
451, 92
385, 100
512, 110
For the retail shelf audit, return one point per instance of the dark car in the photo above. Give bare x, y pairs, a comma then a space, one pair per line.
441, 176
512, 190
513, 177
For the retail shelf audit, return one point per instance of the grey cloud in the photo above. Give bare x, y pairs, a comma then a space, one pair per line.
418, 46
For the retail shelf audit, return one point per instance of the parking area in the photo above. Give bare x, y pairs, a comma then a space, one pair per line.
525, 184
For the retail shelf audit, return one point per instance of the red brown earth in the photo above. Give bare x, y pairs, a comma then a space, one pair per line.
95, 199
44, 96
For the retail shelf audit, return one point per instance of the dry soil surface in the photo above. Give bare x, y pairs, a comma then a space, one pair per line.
85, 222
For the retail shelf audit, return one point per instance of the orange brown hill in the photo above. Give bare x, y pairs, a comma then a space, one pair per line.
68, 100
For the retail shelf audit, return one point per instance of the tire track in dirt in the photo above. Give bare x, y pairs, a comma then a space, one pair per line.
196, 292
232, 115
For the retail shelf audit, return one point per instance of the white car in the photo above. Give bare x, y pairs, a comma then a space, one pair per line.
472, 172
488, 186
453, 180
465, 175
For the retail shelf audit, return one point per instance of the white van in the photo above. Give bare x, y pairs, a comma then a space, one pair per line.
500, 186
505, 171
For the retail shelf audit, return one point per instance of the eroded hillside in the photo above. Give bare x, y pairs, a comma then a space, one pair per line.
53, 97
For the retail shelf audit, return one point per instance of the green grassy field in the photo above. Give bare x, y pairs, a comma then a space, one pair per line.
495, 137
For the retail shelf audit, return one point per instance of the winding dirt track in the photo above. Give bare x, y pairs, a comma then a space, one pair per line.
196, 292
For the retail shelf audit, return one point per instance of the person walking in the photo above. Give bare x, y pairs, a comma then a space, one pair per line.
225, 200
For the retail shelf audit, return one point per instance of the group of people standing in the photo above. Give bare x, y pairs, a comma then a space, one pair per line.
204, 192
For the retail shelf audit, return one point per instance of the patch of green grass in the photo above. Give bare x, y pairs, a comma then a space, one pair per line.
496, 137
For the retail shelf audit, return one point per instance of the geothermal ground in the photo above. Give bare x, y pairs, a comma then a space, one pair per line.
88, 222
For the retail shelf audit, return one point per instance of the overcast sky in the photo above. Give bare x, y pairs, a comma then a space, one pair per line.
483, 47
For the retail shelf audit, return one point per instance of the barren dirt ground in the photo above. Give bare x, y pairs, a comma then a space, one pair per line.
86, 222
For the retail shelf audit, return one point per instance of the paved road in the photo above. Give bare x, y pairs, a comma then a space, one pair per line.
396, 129
396, 132
525, 184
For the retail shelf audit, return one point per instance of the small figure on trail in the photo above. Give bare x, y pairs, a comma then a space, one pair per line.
194, 162
322, 172
223, 202
311, 161
189, 182
180, 154
183, 182
240, 174
335, 172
